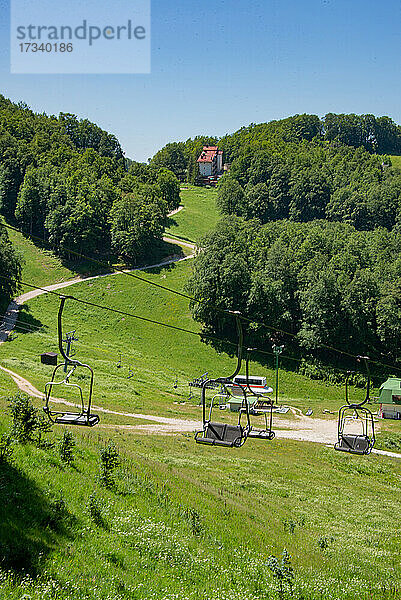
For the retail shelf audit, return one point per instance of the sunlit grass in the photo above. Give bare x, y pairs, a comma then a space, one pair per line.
201, 522
199, 215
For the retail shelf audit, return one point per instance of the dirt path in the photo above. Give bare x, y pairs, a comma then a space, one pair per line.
304, 429
170, 240
175, 211
169, 424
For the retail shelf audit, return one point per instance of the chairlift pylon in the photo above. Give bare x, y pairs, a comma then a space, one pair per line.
356, 443
84, 417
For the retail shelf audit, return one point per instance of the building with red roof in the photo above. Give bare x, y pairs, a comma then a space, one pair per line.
210, 161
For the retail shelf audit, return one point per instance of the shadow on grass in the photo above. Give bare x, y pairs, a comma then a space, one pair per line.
161, 251
101, 264
26, 322
171, 222
29, 522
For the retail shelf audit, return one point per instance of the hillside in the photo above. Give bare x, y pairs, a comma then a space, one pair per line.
188, 521
274, 520
103, 336
179, 508
198, 216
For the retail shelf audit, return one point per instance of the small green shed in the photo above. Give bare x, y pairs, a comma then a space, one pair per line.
390, 399
390, 391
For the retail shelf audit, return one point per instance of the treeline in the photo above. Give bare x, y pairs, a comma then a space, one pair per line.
10, 269
323, 283
67, 181
376, 135
313, 180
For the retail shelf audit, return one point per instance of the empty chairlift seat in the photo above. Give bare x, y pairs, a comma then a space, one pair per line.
221, 434
353, 415
356, 444
77, 419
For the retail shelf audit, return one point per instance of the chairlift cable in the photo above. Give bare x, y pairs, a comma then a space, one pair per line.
199, 334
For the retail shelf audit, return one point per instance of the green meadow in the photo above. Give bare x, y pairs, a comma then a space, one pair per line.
198, 216
184, 521
396, 161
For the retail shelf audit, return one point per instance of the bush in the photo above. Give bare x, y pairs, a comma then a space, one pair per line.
58, 514
192, 516
6, 449
95, 511
25, 419
283, 574
324, 542
43, 426
65, 447
109, 461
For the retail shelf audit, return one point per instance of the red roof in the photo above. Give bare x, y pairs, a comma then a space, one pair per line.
208, 154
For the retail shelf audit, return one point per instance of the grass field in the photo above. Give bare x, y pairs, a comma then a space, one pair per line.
198, 216
41, 266
189, 522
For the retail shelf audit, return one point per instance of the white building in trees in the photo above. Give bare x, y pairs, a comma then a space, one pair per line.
210, 162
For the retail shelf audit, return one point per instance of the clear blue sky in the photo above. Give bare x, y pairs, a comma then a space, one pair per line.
221, 64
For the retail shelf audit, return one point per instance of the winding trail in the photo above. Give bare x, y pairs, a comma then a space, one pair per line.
175, 211
300, 428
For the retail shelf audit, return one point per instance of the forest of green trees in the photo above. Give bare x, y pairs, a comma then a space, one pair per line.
324, 283
66, 181
311, 241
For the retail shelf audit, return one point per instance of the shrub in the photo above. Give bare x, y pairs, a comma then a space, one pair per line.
58, 513
109, 461
25, 419
283, 574
324, 542
193, 518
65, 447
43, 426
289, 525
95, 511
6, 449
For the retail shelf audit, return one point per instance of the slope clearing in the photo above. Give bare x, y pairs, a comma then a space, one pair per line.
187, 522
198, 216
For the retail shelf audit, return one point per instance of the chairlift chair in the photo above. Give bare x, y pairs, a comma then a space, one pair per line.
228, 435
224, 434
356, 443
84, 417
262, 406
